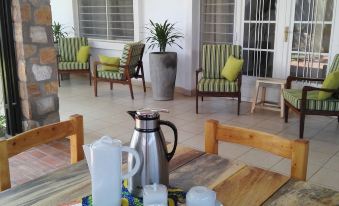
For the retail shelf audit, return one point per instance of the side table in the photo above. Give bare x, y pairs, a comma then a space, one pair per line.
262, 83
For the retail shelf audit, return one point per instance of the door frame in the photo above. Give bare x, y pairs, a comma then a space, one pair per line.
8, 67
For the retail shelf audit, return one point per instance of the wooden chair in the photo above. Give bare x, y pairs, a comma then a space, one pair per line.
131, 66
67, 57
296, 150
298, 99
212, 84
72, 128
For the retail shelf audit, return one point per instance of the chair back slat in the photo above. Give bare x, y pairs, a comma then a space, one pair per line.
72, 128
68, 48
296, 150
131, 55
215, 57
335, 64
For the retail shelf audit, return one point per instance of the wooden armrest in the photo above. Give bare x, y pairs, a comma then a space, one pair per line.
309, 88
291, 79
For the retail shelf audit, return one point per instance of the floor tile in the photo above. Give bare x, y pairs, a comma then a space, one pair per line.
327, 178
259, 158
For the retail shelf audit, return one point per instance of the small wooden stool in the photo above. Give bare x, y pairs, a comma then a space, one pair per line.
263, 83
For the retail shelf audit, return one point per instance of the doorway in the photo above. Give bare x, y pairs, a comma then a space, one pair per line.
282, 38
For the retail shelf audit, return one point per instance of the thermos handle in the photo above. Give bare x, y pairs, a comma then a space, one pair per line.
174, 128
137, 162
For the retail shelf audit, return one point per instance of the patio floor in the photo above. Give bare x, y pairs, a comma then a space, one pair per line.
106, 115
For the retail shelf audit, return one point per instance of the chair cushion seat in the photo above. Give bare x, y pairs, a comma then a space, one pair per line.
114, 75
217, 85
293, 96
73, 66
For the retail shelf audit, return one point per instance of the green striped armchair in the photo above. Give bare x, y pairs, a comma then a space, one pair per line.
67, 57
212, 84
131, 66
304, 101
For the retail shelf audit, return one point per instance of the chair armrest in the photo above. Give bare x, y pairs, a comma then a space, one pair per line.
291, 79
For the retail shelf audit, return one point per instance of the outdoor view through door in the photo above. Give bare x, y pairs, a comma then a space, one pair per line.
311, 38
259, 37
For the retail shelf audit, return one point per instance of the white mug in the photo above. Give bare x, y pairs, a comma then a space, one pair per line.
198, 196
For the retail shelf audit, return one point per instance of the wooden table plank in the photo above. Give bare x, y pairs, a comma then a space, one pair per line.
70, 183
204, 170
249, 186
299, 193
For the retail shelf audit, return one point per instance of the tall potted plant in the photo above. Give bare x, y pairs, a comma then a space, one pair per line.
163, 65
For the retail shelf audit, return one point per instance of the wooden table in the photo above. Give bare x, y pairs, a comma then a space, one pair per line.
235, 184
268, 82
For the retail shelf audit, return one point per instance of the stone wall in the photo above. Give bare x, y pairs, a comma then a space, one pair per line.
36, 60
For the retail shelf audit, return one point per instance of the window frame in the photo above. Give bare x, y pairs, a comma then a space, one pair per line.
102, 43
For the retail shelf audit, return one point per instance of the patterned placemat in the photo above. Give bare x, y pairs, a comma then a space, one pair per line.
175, 197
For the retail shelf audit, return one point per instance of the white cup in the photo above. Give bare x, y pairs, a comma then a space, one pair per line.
198, 196
155, 195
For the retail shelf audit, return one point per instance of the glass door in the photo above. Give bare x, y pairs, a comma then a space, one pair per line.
312, 25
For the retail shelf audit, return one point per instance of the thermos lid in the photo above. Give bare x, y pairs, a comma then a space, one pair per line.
148, 113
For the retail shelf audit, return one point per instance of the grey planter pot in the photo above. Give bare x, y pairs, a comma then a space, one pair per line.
163, 69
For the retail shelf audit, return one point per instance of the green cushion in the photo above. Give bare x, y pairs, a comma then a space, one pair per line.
215, 57
293, 96
68, 48
109, 60
73, 66
83, 54
114, 75
217, 85
232, 68
331, 82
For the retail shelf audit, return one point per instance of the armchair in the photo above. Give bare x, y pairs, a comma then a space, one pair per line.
305, 102
212, 84
67, 57
131, 66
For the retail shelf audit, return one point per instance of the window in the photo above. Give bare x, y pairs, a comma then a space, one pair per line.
106, 19
217, 21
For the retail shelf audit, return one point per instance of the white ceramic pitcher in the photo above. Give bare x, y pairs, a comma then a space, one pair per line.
104, 158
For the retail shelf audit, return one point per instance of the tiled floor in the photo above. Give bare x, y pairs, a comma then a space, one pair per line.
106, 115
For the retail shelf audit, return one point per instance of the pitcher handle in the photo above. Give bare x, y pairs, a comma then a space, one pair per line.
175, 131
137, 162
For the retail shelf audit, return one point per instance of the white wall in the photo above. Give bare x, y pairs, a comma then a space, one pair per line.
184, 13
62, 12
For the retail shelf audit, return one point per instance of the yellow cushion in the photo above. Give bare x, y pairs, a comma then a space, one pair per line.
331, 82
109, 60
232, 68
83, 54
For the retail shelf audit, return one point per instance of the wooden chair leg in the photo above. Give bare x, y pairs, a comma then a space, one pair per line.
5, 181
302, 125
202, 98
59, 76
286, 111
338, 118
143, 78
196, 103
131, 89
90, 78
239, 102
95, 87
111, 85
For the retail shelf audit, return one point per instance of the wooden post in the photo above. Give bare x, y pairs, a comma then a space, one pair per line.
211, 142
77, 140
299, 159
5, 180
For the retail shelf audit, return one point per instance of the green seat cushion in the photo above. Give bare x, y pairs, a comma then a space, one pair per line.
331, 82
293, 96
232, 68
109, 60
83, 54
73, 66
217, 85
114, 75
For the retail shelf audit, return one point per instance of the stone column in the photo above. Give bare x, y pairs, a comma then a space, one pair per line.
36, 60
